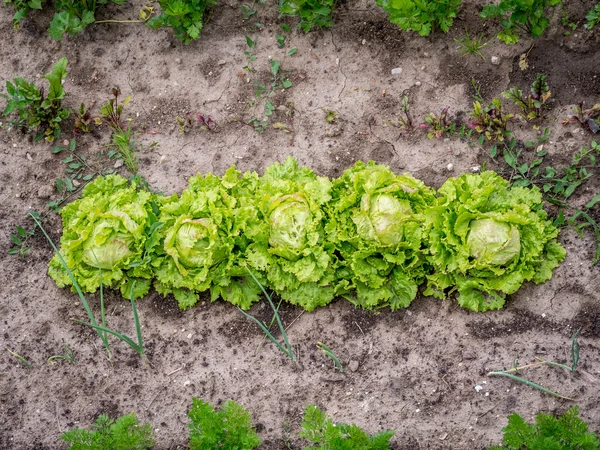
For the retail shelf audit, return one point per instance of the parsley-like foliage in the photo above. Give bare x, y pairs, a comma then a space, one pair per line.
228, 429
320, 429
125, 433
422, 16
184, 16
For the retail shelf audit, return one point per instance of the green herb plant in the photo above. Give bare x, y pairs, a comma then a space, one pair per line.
511, 373
330, 116
593, 17
422, 16
229, 428
549, 432
22, 8
320, 429
73, 16
125, 433
520, 16
471, 46
490, 121
532, 106
312, 13
19, 240
35, 111
185, 17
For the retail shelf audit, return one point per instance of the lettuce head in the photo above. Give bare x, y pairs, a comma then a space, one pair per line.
376, 225
292, 251
486, 239
205, 234
106, 238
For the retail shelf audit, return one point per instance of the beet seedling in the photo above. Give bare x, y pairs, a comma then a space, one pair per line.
438, 125
532, 106
490, 121
589, 119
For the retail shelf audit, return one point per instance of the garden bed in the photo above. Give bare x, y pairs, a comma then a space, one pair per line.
414, 370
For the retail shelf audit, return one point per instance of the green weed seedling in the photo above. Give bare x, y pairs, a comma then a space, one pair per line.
102, 330
33, 111
229, 428
422, 16
532, 105
287, 350
312, 13
511, 373
68, 355
19, 239
517, 16
320, 429
21, 359
593, 17
185, 17
549, 432
125, 433
471, 46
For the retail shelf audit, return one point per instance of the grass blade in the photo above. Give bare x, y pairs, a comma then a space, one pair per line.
124, 338
268, 334
575, 352
328, 352
531, 384
136, 319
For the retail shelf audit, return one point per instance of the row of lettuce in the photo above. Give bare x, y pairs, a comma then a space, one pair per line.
370, 236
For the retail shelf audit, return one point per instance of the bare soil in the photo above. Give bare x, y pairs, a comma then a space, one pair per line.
415, 370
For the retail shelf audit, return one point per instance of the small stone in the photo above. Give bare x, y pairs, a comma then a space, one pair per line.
468, 354
282, 108
66, 142
495, 60
76, 183
163, 159
118, 163
45, 191
364, 41
29, 156
478, 388
450, 167
417, 83
397, 71
187, 382
221, 62
475, 168
353, 366
178, 60
426, 55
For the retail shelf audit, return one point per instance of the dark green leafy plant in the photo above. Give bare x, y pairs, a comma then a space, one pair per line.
422, 16
35, 111
73, 16
185, 17
593, 17
22, 7
227, 429
532, 105
518, 16
490, 121
312, 13
126, 433
320, 429
567, 432
471, 46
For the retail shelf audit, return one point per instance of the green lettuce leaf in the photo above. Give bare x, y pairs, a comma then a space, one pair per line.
486, 239
376, 225
104, 237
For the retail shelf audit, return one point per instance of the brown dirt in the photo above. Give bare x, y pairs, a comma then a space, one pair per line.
416, 370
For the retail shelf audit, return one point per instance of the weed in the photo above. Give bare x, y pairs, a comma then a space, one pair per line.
20, 358
34, 111
249, 9
83, 118
477, 89
468, 46
540, 362
126, 433
101, 330
68, 355
593, 17
19, 239
320, 429
519, 16
490, 121
421, 16
438, 125
229, 428
187, 123
565, 432
405, 122
329, 353
185, 17
112, 110
288, 348
330, 116
589, 119
312, 13
532, 105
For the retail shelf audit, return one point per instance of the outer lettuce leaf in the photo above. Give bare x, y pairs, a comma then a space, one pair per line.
205, 234
376, 224
483, 279
108, 231
292, 250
